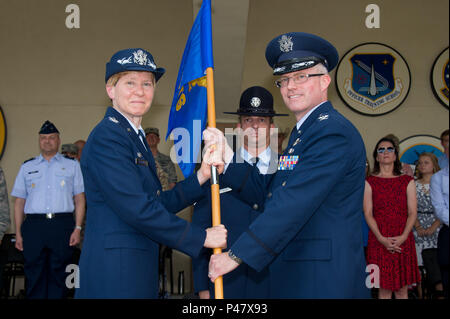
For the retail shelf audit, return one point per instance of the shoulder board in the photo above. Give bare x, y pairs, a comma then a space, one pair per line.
29, 160
68, 157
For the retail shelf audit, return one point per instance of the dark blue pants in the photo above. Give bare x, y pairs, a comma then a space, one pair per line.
443, 256
46, 253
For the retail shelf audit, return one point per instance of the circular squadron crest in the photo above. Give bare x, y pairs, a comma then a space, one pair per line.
412, 146
373, 79
440, 78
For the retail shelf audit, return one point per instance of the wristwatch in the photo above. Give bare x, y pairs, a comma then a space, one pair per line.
234, 257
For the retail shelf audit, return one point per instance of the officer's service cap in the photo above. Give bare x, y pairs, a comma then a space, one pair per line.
48, 128
295, 51
132, 60
151, 130
256, 101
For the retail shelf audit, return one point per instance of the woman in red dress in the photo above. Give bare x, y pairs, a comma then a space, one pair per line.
390, 209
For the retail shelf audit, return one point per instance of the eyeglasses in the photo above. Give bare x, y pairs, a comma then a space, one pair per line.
298, 79
381, 150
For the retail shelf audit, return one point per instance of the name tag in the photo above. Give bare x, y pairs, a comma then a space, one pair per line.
141, 161
287, 163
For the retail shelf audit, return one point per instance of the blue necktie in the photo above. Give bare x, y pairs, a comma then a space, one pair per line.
292, 137
254, 160
143, 140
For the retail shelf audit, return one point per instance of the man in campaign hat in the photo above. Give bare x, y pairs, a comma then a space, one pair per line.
254, 130
309, 234
48, 189
129, 214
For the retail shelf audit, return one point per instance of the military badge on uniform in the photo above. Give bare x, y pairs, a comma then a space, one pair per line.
286, 43
141, 161
140, 57
255, 102
113, 119
323, 117
125, 60
287, 163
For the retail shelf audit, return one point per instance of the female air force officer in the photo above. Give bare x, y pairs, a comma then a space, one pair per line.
129, 214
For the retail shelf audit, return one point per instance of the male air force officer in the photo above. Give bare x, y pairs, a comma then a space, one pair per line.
309, 234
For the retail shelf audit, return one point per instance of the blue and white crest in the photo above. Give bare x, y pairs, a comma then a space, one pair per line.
373, 79
373, 75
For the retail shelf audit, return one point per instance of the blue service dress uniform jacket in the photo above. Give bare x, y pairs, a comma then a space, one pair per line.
309, 234
129, 214
236, 215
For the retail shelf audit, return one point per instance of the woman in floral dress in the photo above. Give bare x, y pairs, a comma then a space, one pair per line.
426, 228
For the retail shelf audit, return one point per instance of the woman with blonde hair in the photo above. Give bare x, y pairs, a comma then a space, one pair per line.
426, 227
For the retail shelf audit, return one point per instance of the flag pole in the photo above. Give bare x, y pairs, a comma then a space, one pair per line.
215, 195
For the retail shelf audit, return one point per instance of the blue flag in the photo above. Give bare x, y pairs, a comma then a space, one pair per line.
187, 117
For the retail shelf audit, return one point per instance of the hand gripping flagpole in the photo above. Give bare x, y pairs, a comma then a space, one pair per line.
215, 194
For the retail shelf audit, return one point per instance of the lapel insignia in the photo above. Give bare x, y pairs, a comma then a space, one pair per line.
113, 119
323, 117
139, 154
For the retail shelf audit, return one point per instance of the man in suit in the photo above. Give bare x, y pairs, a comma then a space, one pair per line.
309, 234
254, 130
129, 214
